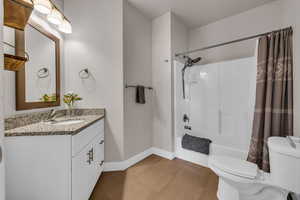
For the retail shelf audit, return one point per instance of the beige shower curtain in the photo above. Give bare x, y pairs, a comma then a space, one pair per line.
274, 94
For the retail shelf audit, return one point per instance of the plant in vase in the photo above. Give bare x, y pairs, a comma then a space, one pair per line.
69, 99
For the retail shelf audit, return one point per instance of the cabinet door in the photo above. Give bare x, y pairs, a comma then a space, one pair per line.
83, 174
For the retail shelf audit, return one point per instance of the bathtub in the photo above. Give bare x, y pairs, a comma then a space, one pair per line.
202, 159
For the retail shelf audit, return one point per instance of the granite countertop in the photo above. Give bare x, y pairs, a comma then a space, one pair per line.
42, 128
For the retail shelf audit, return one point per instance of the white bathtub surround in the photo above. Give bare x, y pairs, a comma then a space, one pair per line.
241, 180
219, 109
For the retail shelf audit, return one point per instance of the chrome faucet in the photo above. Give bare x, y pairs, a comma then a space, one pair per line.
52, 116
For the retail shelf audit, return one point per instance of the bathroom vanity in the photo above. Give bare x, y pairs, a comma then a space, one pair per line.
59, 160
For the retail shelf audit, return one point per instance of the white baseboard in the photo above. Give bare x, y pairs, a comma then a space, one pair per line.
123, 165
163, 153
114, 166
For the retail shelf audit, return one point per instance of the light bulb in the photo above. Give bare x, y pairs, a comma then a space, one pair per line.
65, 26
55, 17
43, 6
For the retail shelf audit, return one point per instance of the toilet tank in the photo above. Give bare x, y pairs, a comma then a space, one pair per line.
285, 164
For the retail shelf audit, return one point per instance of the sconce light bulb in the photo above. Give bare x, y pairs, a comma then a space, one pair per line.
42, 6
55, 17
65, 26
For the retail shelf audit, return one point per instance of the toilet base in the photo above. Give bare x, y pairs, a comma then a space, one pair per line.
227, 190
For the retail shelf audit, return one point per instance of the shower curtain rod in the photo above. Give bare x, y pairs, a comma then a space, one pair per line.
230, 42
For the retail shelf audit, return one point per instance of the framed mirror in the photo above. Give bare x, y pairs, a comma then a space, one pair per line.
38, 82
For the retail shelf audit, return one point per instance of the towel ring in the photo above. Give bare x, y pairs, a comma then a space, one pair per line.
84, 73
43, 73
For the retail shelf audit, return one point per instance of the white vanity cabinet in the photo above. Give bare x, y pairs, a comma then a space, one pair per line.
60, 167
87, 166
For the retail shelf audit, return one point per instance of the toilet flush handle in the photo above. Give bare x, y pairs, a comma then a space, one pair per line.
291, 142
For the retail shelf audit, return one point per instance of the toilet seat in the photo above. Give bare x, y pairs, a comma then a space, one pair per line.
233, 168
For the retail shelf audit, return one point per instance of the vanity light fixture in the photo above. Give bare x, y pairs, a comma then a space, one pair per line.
65, 26
55, 17
43, 6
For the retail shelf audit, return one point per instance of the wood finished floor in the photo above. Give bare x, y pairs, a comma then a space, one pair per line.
156, 178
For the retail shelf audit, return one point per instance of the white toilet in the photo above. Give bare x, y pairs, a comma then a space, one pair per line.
242, 180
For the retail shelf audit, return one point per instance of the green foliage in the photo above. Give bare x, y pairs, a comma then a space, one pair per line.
48, 98
70, 98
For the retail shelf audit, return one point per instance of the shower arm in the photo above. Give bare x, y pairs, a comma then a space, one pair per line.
183, 81
189, 63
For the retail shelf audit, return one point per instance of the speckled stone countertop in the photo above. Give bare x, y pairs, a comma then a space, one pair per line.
28, 125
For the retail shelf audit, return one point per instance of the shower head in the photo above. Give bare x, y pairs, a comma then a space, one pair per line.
190, 62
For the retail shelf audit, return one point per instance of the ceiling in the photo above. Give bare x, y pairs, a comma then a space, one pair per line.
195, 13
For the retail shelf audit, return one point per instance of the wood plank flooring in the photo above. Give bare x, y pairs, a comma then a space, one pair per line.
156, 178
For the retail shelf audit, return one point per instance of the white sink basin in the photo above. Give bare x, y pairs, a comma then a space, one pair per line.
65, 122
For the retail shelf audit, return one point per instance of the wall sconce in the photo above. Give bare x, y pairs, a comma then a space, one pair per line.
54, 15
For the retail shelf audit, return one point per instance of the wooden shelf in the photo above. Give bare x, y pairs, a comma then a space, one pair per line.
14, 63
17, 13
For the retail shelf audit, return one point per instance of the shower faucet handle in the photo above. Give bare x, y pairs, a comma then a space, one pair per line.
188, 128
186, 118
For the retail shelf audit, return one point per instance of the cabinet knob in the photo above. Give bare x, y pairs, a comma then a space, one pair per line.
102, 142
90, 155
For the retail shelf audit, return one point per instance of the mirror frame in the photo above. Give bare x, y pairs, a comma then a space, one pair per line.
21, 103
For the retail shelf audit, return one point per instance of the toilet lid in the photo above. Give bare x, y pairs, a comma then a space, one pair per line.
235, 166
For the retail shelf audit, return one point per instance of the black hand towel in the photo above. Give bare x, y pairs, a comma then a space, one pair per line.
140, 95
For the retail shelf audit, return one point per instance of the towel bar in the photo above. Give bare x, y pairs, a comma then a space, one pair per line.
134, 86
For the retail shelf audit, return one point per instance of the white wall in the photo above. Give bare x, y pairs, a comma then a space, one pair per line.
162, 82
59, 4
137, 70
169, 35
179, 38
2, 174
272, 16
97, 44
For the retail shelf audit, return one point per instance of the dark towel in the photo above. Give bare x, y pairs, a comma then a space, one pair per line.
140, 95
197, 144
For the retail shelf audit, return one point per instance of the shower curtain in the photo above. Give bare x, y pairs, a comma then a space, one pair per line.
273, 114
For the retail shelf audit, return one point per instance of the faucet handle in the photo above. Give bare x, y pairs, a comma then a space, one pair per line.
186, 118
